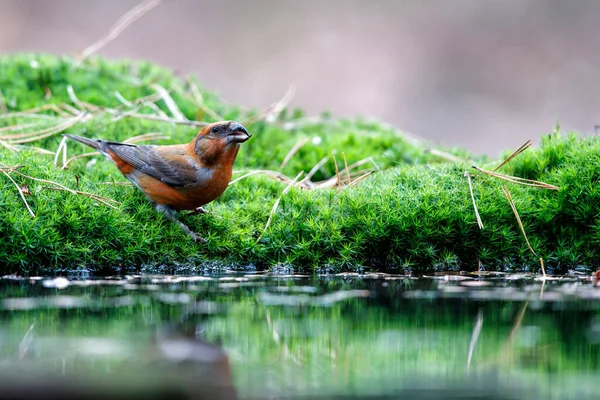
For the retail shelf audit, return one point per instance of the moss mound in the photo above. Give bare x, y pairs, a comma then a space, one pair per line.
415, 212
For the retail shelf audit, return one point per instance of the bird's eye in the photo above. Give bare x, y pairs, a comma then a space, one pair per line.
215, 129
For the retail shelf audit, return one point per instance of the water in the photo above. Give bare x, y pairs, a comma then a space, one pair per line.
274, 336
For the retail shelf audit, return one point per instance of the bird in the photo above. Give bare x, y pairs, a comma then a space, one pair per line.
182, 176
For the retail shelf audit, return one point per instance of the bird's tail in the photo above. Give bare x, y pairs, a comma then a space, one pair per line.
95, 144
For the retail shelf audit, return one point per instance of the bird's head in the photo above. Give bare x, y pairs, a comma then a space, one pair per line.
216, 138
229, 132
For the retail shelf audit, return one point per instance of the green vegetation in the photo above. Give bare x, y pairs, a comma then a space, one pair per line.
413, 212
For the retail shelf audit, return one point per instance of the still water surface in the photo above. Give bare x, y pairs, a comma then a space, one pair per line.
269, 336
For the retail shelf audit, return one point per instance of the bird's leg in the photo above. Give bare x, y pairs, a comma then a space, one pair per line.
170, 214
200, 210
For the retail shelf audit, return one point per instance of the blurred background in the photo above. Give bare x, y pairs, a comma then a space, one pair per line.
485, 75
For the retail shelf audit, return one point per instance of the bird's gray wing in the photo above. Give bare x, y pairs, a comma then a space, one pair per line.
173, 172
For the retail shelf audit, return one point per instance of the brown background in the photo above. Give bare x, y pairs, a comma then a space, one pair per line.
483, 74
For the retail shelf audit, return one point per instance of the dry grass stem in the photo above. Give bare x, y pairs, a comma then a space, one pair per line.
8, 146
271, 113
25, 114
44, 133
315, 168
346, 167
169, 102
360, 178
301, 122
475, 337
70, 160
166, 119
293, 151
18, 127
517, 180
25, 343
337, 172
119, 183
62, 146
199, 100
58, 186
127, 19
151, 136
514, 208
479, 222
446, 156
276, 204
104, 200
543, 269
18, 190
521, 149
333, 181
17, 148
515, 329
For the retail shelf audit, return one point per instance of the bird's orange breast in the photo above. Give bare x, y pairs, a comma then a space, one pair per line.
182, 198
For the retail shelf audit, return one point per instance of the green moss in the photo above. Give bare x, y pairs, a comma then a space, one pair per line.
415, 214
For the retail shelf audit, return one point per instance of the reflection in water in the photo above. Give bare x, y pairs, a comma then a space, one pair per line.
273, 336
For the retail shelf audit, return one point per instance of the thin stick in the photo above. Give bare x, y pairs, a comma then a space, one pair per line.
33, 136
276, 204
346, 167
337, 172
101, 199
543, 269
514, 179
293, 151
20, 192
147, 136
521, 149
171, 120
127, 19
104, 200
278, 107
479, 222
515, 328
514, 208
315, 168
246, 175
475, 337
301, 122
8, 146
18, 127
63, 144
26, 342
446, 156
271, 113
200, 101
70, 160
360, 179
170, 103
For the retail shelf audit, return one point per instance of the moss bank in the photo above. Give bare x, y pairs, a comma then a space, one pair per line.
415, 212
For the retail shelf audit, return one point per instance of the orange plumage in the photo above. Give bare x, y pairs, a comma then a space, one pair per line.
183, 176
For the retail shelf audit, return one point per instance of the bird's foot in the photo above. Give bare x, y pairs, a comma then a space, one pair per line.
196, 237
170, 214
200, 210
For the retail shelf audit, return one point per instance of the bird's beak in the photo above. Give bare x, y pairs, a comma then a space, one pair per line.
238, 134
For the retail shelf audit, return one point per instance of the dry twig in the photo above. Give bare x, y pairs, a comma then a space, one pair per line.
479, 222
515, 179
301, 142
276, 204
127, 19
514, 208
521, 149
